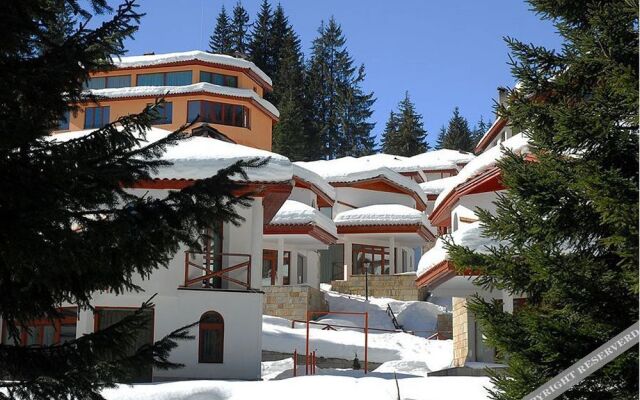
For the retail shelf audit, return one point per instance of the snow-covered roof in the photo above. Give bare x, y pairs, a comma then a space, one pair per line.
311, 177
195, 55
296, 213
470, 236
518, 144
135, 91
381, 214
201, 157
436, 186
440, 159
349, 170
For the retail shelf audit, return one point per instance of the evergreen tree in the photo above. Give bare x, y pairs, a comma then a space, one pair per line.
479, 130
458, 135
239, 30
340, 108
220, 41
291, 135
260, 40
83, 232
279, 34
569, 220
404, 134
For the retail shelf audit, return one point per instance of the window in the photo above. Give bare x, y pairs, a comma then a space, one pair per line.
63, 122
373, 258
269, 267
331, 261
165, 111
105, 317
109, 82
302, 269
218, 113
96, 117
179, 78
219, 79
46, 332
211, 345
455, 222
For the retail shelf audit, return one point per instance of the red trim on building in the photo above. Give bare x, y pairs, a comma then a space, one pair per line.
324, 200
383, 184
491, 134
487, 181
420, 230
440, 273
309, 229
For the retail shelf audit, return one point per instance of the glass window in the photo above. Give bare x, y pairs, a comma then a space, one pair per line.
211, 341
302, 269
228, 115
219, 79
96, 83
164, 112
455, 222
45, 332
332, 262
374, 259
118, 81
180, 78
96, 117
151, 79
63, 122
193, 110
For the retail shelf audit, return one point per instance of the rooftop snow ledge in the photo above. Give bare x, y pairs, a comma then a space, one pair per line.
470, 236
136, 91
518, 144
311, 177
296, 213
202, 157
194, 55
381, 214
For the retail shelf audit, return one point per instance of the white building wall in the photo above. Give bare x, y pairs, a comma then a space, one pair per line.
362, 198
304, 196
467, 206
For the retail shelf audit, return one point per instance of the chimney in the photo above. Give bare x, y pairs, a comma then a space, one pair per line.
502, 95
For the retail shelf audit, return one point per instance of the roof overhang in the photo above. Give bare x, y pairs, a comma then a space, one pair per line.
420, 230
381, 183
415, 175
444, 272
310, 230
491, 134
324, 200
273, 194
489, 180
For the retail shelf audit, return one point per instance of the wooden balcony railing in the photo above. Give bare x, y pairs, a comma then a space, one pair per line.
209, 270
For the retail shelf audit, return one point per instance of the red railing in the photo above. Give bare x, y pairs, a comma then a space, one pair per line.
207, 270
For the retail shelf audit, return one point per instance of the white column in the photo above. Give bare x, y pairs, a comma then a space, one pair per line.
257, 218
280, 269
84, 323
347, 260
392, 258
507, 302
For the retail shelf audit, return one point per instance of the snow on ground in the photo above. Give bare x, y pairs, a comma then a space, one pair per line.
319, 387
277, 334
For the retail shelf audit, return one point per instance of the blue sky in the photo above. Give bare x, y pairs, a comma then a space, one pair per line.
445, 53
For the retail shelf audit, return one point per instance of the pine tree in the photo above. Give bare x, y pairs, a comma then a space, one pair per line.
340, 108
458, 136
239, 30
220, 41
569, 219
83, 232
279, 33
404, 134
479, 129
291, 135
260, 40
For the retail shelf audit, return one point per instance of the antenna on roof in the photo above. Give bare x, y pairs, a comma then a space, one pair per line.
151, 53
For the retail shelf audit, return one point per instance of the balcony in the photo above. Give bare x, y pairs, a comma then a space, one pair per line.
217, 271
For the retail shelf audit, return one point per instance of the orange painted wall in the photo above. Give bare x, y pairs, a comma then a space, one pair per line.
257, 135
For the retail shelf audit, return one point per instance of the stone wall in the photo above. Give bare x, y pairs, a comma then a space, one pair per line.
399, 287
293, 302
460, 331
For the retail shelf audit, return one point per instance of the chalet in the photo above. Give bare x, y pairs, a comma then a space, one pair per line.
454, 213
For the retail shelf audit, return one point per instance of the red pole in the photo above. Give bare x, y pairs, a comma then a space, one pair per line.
295, 363
306, 357
366, 342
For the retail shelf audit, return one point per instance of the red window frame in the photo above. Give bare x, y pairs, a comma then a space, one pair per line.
70, 319
372, 250
203, 326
